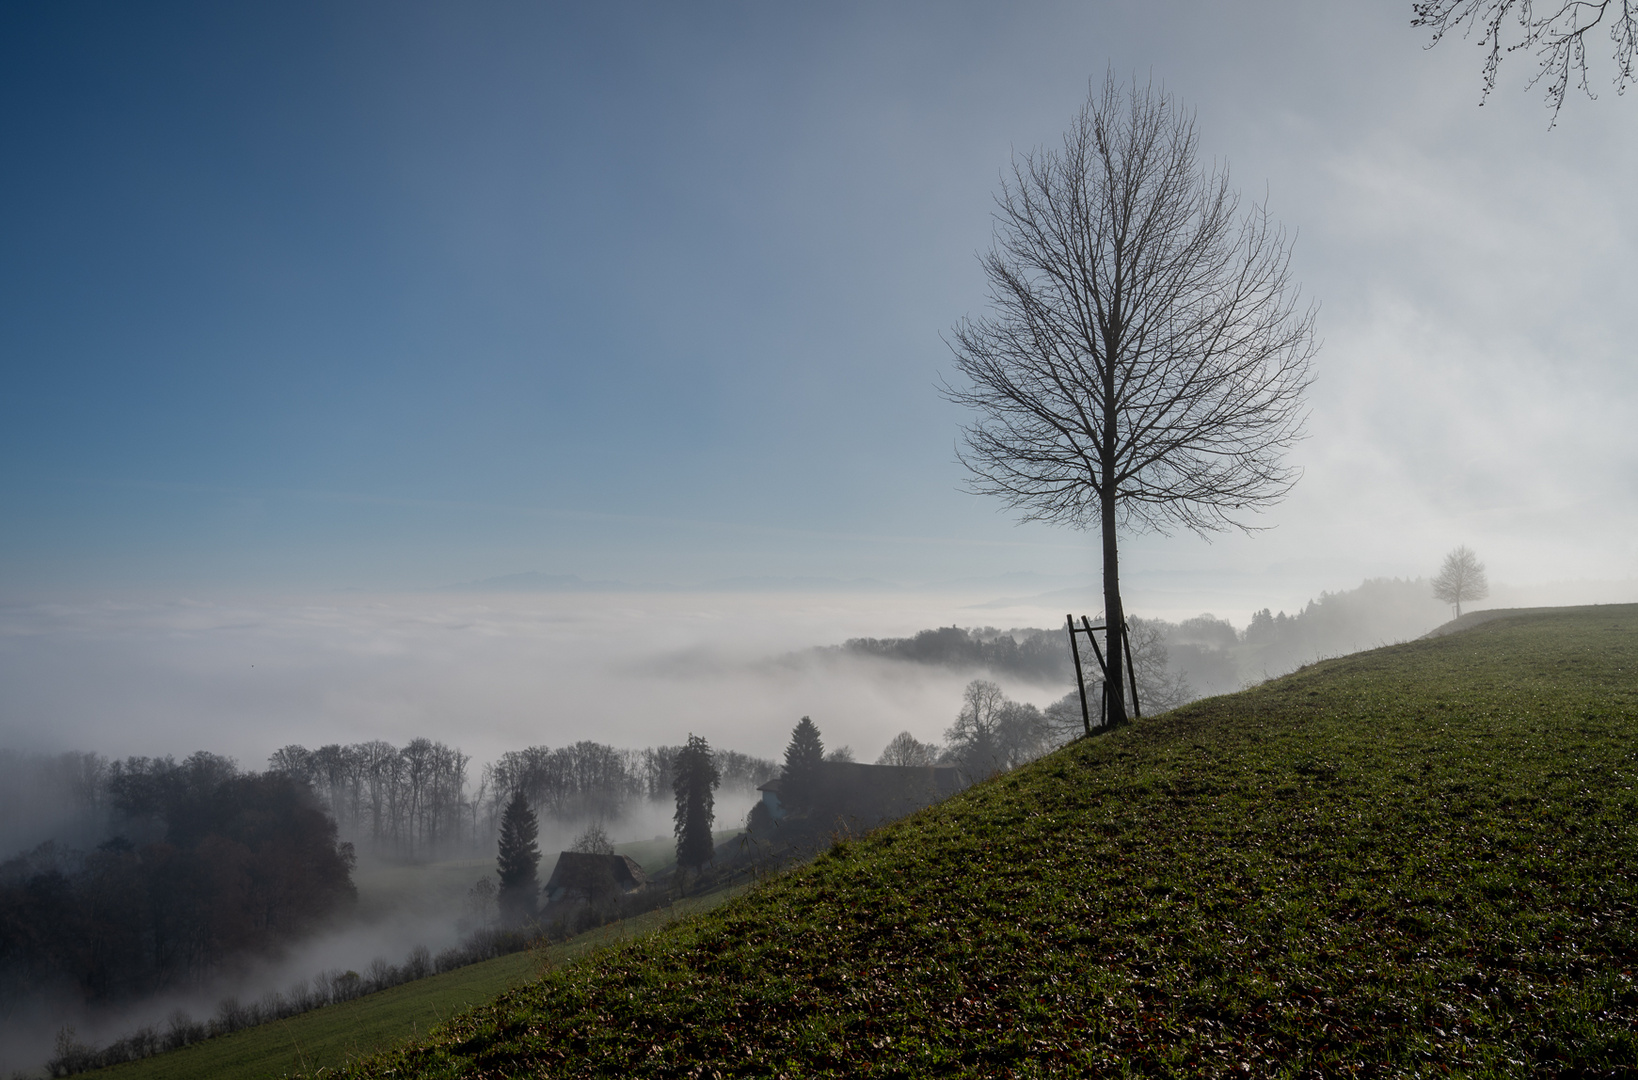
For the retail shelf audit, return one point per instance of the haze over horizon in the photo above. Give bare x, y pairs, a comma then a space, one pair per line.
310, 306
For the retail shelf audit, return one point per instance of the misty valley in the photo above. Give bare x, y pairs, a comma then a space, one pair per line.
147, 903
171, 881
779, 540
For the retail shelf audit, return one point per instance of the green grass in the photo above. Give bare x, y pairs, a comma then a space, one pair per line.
1414, 861
325, 1039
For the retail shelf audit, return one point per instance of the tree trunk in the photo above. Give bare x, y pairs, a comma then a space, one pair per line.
1114, 615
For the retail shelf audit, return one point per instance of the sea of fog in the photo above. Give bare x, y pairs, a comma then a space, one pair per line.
499, 671
487, 673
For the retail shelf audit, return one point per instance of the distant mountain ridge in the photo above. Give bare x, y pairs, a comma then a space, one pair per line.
534, 581
537, 581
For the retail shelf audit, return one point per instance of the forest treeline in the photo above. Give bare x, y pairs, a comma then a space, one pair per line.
204, 862
1037, 655
1192, 658
418, 802
157, 872
411, 802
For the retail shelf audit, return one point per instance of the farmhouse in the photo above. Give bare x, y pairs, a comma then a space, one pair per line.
582, 876
870, 794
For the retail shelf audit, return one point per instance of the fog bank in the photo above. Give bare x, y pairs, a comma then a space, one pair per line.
490, 673
496, 672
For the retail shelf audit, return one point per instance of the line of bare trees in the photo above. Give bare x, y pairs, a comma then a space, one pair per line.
587, 780
409, 802
592, 782
417, 801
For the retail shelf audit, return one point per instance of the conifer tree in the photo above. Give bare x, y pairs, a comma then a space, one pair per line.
518, 859
695, 780
798, 786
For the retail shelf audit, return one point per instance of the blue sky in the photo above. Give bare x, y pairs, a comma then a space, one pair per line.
311, 297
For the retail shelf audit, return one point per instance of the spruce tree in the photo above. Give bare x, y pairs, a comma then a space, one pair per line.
696, 777
518, 859
799, 786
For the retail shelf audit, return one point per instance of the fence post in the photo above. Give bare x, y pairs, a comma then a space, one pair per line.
1131, 673
1080, 679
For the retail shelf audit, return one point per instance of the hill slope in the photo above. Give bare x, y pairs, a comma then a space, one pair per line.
1412, 860
325, 1039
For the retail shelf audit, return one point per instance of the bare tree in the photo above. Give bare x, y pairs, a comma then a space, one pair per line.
973, 742
906, 749
1025, 733
294, 761
594, 841
1556, 32
1461, 578
1159, 687
993, 733
1144, 364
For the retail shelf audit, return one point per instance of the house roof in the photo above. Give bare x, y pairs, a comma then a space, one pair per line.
887, 790
830, 772
579, 871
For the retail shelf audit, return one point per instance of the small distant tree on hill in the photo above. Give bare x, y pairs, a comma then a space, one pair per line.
1461, 578
518, 860
696, 780
798, 786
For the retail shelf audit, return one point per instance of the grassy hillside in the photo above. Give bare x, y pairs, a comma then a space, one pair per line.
1418, 860
330, 1036
327, 1038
